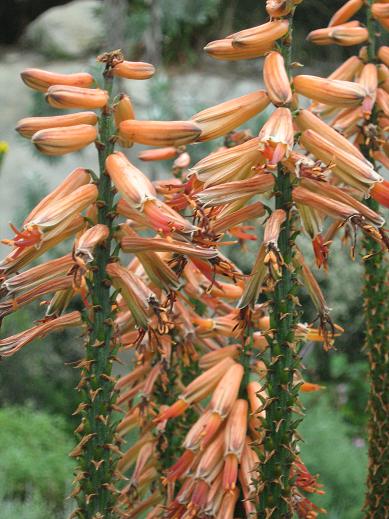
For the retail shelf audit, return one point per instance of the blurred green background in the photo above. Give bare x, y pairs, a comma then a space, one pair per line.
37, 394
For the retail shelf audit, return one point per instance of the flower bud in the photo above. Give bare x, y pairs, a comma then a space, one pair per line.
330, 91
276, 79
60, 96
133, 70
41, 80
59, 141
221, 119
28, 126
160, 133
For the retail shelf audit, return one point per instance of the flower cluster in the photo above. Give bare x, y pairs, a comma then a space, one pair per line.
179, 305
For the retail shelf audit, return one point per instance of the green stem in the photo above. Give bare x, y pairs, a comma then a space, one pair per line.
98, 458
376, 294
279, 442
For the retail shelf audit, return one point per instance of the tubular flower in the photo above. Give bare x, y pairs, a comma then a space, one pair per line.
276, 79
277, 136
221, 119
226, 51
60, 96
170, 152
231, 164
198, 389
86, 243
51, 219
53, 285
369, 80
133, 70
131, 183
234, 441
306, 120
350, 169
30, 125
123, 110
41, 80
344, 35
383, 54
273, 258
62, 140
136, 294
37, 275
223, 399
232, 191
330, 91
11, 345
160, 133
261, 36
136, 244
255, 281
346, 12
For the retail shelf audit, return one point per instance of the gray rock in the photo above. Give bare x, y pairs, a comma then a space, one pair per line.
67, 31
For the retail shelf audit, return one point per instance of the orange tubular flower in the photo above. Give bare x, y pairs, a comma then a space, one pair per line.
331, 207
60, 96
213, 357
234, 441
330, 91
380, 193
12, 344
37, 275
350, 169
225, 50
59, 141
332, 192
276, 137
344, 35
261, 36
83, 250
51, 219
131, 183
221, 119
369, 80
232, 191
41, 80
230, 164
136, 244
76, 178
53, 285
135, 293
346, 12
227, 507
122, 111
160, 133
170, 152
133, 70
306, 120
276, 79
198, 389
227, 222
26, 253
255, 280
223, 399
30, 125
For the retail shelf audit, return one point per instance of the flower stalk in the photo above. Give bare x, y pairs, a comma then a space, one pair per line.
279, 441
99, 455
375, 294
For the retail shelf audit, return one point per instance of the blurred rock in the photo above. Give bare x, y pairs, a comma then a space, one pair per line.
67, 31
